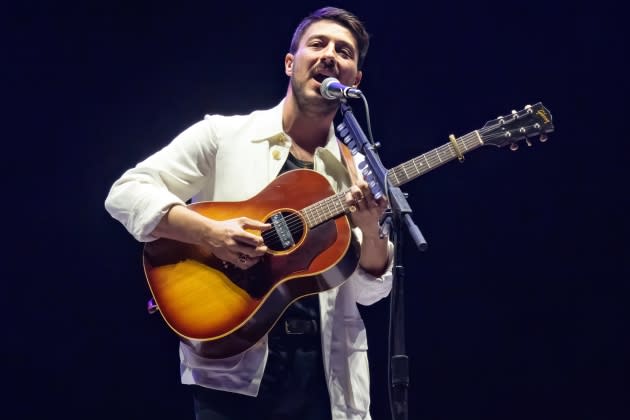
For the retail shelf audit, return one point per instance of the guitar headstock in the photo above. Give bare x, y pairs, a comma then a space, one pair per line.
533, 120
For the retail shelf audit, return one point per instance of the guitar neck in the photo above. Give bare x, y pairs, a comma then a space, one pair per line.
430, 160
326, 209
336, 205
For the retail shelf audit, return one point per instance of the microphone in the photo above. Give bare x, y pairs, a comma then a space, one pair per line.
332, 89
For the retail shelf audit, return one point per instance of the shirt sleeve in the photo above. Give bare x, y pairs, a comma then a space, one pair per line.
144, 194
366, 288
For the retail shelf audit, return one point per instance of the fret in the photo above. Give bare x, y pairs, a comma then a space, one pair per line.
397, 182
410, 169
478, 137
329, 206
441, 154
437, 152
435, 158
307, 216
462, 144
426, 161
416, 166
422, 167
405, 172
310, 218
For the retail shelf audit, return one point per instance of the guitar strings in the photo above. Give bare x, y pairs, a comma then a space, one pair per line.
322, 209
434, 158
326, 208
294, 221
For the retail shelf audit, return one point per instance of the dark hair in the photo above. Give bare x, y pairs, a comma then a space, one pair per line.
340, 16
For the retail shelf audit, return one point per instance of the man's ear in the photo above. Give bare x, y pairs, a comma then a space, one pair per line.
288, 64
358, 78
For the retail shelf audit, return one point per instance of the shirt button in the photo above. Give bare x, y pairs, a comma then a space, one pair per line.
276, 154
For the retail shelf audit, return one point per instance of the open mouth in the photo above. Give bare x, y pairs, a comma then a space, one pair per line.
321, 77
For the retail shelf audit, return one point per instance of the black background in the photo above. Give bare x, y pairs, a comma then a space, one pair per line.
516, 311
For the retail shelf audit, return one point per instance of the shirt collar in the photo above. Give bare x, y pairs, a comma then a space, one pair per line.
270, 127
271, 130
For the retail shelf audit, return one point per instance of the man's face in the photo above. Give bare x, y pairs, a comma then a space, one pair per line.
326, 49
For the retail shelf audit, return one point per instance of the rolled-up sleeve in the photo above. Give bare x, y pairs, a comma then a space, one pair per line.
144, 194
368, 289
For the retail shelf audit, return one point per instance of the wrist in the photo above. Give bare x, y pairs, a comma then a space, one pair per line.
374, 236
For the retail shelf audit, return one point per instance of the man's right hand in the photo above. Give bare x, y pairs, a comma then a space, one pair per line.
230, 241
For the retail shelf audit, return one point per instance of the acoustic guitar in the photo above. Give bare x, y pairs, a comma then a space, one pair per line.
227, 310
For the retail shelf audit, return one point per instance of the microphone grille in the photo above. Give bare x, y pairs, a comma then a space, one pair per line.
324, 88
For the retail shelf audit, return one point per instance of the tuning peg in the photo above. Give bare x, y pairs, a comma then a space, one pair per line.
528, 106
529, 143
514, 147
543, 138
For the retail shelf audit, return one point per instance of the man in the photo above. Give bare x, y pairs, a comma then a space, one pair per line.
313, 363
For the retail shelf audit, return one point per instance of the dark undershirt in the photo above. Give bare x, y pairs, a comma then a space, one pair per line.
307, 307
294, 372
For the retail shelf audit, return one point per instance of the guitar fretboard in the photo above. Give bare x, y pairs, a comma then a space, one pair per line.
326, 209
335, 205
422, 164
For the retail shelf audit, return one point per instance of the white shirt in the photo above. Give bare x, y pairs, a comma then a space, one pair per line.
231, 158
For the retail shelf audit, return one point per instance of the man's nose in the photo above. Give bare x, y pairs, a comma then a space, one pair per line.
329, 51
329, 56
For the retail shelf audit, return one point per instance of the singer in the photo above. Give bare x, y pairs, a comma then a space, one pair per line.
313, 363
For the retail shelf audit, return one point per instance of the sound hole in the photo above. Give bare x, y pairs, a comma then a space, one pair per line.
287, 228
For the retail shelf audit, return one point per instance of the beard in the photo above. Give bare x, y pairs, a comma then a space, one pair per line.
310, 103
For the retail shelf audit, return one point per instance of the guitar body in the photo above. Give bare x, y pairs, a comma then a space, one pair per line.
227, 309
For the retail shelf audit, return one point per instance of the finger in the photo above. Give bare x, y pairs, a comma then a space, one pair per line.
376, 202
354, 195
247, 238
247, 223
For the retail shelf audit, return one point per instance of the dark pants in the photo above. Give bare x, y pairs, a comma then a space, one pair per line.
293, 387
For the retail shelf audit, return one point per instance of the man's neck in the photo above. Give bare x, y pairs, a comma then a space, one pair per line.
307, 127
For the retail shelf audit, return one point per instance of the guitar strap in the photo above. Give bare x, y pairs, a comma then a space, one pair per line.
349, 161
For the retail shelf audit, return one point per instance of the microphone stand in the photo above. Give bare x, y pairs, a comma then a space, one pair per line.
393, 220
